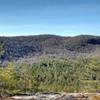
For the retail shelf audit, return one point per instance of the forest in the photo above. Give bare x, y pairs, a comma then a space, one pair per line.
50, 75
31, 46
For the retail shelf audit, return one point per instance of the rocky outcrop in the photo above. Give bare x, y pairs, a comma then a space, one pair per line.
59, 96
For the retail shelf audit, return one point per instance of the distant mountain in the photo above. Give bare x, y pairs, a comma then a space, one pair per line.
32, 46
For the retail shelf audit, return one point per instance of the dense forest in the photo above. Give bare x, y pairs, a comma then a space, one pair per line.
31, 46
50, 75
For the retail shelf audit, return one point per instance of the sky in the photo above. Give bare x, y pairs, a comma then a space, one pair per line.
58, 17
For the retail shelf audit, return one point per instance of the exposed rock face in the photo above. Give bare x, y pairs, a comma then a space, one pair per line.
59, 96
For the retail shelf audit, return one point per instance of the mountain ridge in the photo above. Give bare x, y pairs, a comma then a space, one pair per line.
24, 46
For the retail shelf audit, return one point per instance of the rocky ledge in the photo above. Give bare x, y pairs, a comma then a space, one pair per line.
59, 96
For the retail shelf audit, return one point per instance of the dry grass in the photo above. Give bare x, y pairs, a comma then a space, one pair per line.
95, 98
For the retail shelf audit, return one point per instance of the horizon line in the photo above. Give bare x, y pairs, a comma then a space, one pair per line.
63, 35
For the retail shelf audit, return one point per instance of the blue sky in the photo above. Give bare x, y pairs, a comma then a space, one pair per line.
60, 17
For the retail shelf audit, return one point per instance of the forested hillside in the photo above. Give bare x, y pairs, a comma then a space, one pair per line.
30, 46
49, 74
